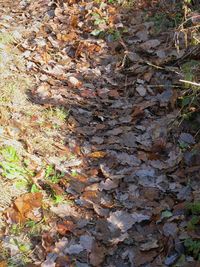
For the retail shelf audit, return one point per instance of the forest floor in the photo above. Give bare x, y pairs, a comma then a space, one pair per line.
99, 138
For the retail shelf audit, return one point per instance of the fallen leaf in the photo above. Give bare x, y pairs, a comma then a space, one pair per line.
186, 138
141, 90
170, 229
97, 255
87, 242
74, 81
65, 227
23, 207
150, 44
170, 260
108, 184
65, 210
74, 249
124, 221
3, 264
97, 154
143, 258
63, 261
149, 245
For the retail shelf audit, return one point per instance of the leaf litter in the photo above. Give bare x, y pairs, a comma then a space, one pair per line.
92, 159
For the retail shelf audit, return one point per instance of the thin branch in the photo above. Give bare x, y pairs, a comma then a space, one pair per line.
188, 82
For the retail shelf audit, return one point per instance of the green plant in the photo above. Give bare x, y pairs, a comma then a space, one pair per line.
189, 100
98, 19
56, 116
34, 228
193, 222
10, 154
193, 208
16, 229
52, 175
58, 199
34, 189
124, 3
113, 35
100, 23
192, 247
74, 173
163, 21
190, 70
10, 163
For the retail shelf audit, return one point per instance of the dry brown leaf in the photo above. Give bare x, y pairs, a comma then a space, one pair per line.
74, 21
137, 113
97, 255
91, 196
65, 227
67, 37
24, 206
28, 201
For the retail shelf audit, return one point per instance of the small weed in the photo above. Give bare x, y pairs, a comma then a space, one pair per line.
99, 20
52, 175
190, 70
16, 229
34, 189
193, 208
166, 21
10, 164
34, 228
189, 100
10, 154
58, 199
124, 3
101, 23
56, 116
74, 173
193, 223
49, 171
21, 184
113, 35
192, 247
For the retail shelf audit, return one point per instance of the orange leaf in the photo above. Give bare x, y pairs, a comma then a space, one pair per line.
28, 202
91, 196
3, 264
97, 154
67, 37
46, 57
74, 21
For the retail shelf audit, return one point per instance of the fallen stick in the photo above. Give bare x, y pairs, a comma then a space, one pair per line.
192, 83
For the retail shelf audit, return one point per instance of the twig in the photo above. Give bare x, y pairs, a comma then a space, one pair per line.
162, 85
192, 83
165, 68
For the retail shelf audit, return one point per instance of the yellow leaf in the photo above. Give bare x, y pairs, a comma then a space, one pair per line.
97, 154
